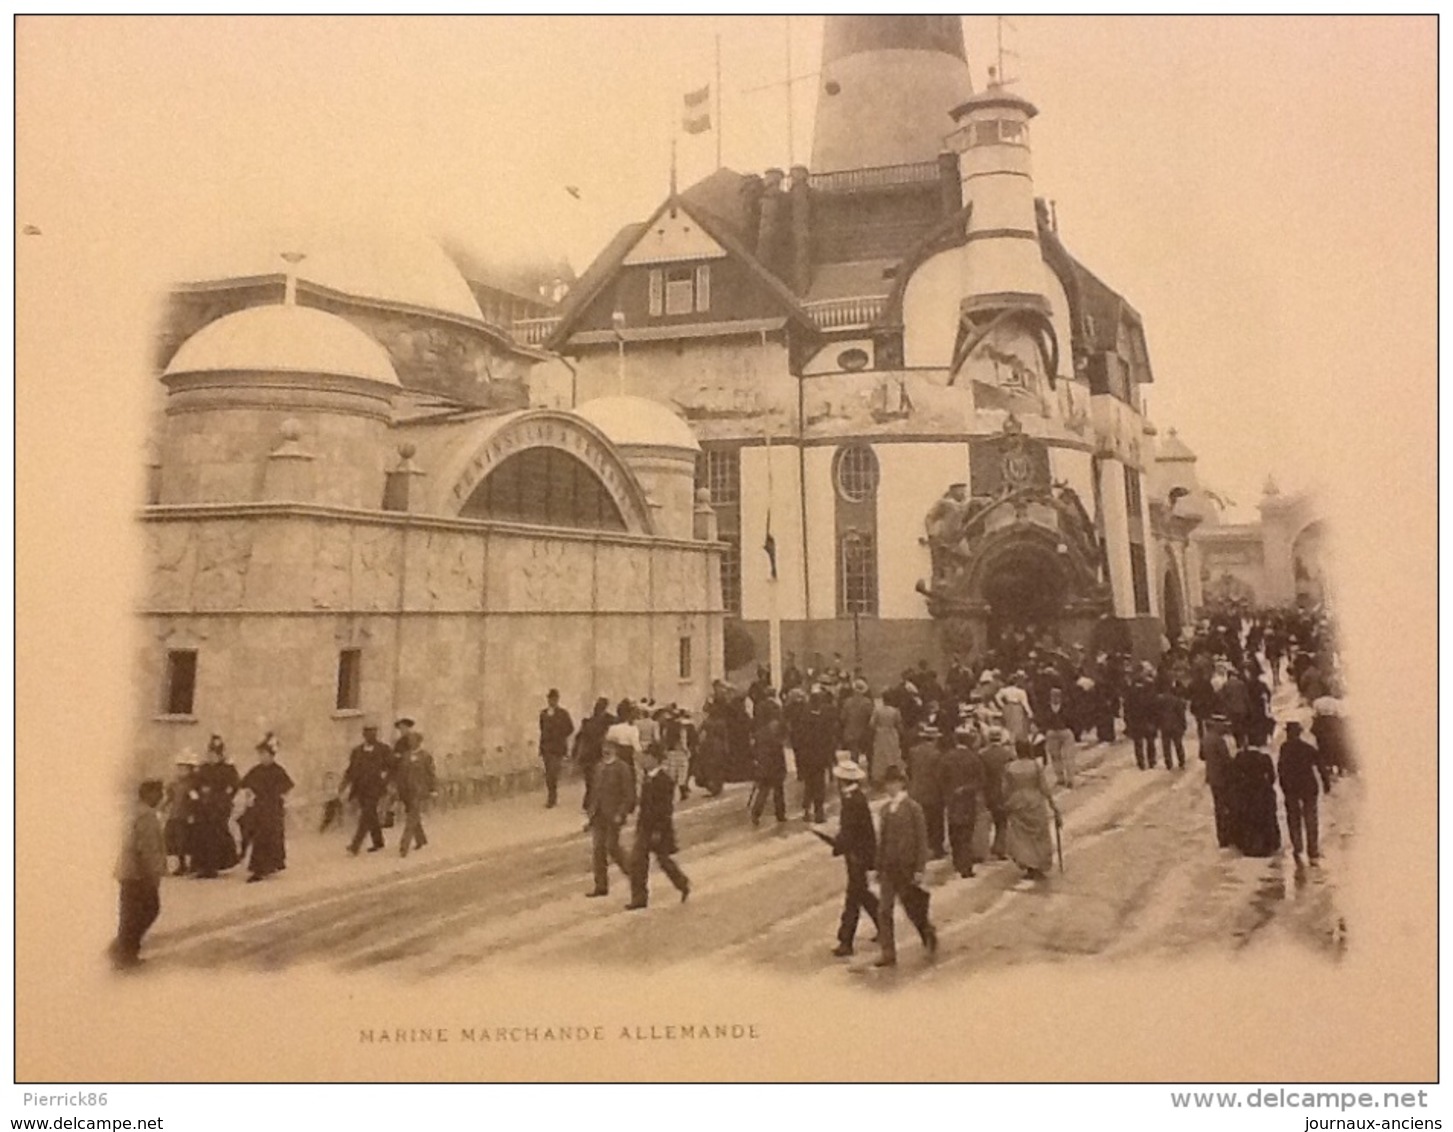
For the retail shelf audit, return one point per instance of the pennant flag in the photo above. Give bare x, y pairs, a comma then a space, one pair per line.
770, 546
696, 113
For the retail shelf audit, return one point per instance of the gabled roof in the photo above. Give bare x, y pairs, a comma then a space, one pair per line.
604, 269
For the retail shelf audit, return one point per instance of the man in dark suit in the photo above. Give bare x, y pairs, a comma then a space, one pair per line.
769, 758
370, 765
902, 859
1298, 768
925, 784
556, 727
995, 757
857, 845
612, 798
963, 782
1217, 757
655, 832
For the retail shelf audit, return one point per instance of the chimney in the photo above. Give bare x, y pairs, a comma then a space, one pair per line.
769, 231
752, 203
801, 231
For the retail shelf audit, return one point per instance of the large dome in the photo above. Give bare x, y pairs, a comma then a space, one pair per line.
411, 271
637, 421
283, 339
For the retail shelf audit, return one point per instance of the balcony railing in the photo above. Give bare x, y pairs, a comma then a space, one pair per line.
848, 313
534, 331
879, 177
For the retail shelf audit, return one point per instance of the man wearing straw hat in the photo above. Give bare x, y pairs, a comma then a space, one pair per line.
857, 845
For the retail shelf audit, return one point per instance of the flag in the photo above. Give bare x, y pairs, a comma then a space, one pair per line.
770, 546
696, 112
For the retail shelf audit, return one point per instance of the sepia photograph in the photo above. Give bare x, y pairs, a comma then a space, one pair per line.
827, 547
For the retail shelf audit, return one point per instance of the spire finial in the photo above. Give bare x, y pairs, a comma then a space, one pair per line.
290, 290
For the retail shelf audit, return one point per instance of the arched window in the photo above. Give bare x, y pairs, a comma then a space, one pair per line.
545, 487
857, 574
856, 473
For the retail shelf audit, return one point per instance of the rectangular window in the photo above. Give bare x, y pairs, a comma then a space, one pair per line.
731, 576
657, 290
680, 290
683, 663
181, 681
1139, 577
858, 574
1132, 493
350, 673
703, 287
720, 472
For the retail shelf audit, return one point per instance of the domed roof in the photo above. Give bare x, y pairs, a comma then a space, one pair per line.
284, 339
638, 421
370, 263
1174, 448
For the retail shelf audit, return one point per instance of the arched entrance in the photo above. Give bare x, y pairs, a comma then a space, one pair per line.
1025, 588
1172, 604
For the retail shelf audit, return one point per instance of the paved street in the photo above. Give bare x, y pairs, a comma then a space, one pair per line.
506, 882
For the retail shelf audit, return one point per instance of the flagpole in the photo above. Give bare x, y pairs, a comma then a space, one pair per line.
791, 146
774, 614
718, 122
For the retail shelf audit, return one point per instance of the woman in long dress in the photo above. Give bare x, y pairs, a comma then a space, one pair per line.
885, 726
1029, 803
213, 849
1257, 831
268, 783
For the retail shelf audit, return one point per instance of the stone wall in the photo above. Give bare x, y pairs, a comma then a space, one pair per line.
462, 625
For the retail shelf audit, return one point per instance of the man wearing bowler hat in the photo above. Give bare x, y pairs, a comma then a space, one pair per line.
902, 860
556, 727
369, 767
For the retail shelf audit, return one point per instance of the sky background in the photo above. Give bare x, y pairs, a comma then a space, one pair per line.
1256, 188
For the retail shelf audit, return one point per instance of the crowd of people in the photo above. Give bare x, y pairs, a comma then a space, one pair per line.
969, 765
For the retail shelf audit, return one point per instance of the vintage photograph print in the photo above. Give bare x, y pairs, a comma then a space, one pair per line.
846, 547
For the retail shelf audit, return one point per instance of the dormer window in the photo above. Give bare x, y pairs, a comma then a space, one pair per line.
680, 290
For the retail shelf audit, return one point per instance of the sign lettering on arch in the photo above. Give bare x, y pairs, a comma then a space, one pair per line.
553, 430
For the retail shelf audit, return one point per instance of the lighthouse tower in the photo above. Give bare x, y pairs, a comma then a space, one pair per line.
1003, 263
888, 84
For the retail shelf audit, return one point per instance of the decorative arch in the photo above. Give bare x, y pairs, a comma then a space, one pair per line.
587, 463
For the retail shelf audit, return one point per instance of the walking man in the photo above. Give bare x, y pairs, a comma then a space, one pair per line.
556, 727
612, 798
1298, 769
1059, 738
963, 783
902, 859
139, 870
655, 832
770, 758
365, 780
1170, 707
857, 845
925, 784
1217, 757
416, 783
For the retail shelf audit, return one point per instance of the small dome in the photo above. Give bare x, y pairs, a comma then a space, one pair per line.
1174, 448
630, 421
284, 339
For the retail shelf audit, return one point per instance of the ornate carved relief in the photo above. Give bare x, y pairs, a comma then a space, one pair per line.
168, 552
376, 568
332, 567
224, 552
